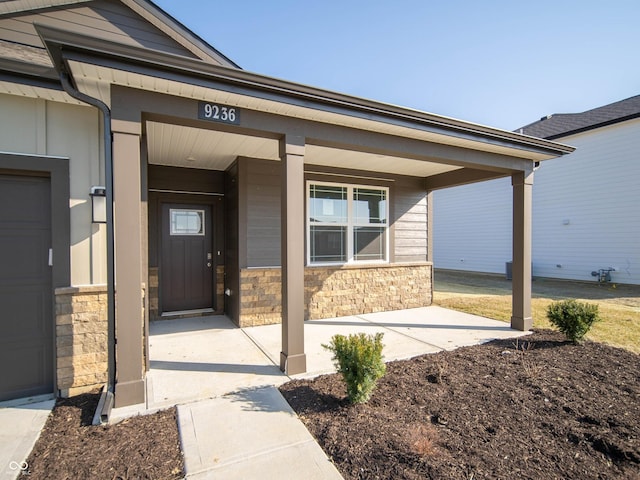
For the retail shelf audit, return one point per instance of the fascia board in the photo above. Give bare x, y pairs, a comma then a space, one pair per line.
155, 63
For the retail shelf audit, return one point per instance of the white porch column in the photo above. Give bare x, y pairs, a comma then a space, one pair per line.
292, 358
521, 318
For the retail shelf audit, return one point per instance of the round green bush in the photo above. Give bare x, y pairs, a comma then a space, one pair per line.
573, 318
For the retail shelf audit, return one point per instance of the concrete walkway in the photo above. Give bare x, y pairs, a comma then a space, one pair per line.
233, 422
20, 425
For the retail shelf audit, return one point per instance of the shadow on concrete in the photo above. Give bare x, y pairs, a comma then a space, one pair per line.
393, 325
260, 399
215, 367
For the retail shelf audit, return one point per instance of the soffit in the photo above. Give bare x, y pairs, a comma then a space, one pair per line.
30, 91
183, 146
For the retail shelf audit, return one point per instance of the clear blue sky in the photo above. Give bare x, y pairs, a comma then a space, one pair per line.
502, 63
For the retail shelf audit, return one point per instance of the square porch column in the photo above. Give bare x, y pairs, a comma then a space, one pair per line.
129, 388
292, 357
521, 318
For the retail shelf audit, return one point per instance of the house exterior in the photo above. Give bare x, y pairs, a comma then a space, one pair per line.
226, 192
585, 205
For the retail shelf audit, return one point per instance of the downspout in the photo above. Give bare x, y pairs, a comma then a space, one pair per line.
106, 399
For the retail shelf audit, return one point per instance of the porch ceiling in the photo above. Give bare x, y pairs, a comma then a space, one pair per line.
184, 146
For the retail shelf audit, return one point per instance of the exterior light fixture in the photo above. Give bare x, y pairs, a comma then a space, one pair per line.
98, 204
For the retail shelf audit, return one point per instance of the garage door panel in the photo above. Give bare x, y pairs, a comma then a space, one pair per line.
29, 255
20, 191
32, 376
29, 308
26, 296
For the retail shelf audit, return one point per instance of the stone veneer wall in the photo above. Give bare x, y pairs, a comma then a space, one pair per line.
154, 305
220, 288
81, 338
336, 291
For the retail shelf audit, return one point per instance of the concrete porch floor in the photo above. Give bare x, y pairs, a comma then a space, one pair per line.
206, 357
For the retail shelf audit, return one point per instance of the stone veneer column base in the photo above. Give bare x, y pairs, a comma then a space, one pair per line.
337, 291
81, 339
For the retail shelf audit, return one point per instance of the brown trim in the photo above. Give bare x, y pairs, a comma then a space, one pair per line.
521, 318
231, 253
460, 177
430, 227
242, 182
173, 67
57, 169
293, 360
129, 261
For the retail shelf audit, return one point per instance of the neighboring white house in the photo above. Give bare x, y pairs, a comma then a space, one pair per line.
586, 205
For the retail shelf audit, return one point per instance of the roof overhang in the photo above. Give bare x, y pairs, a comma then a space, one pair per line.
96, 65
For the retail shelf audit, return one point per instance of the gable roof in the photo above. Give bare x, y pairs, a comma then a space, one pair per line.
563, 124
17, 16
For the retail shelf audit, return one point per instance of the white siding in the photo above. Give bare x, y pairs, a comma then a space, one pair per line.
40, 127
586, 213
587, 207
472, 226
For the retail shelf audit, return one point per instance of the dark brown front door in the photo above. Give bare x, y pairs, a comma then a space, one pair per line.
26, 323
187, 257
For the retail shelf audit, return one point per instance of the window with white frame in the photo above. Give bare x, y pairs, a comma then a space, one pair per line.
346, 223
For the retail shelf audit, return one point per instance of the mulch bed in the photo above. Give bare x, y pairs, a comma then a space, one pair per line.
69, 447
535, 408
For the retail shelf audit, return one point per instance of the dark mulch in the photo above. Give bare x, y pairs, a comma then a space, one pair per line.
69, 447
540, 408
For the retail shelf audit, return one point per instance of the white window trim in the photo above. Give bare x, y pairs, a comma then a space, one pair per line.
350, 224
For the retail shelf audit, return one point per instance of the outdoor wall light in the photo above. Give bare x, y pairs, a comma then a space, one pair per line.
98, 204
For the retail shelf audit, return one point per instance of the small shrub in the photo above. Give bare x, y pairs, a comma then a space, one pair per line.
358, 359
573, 318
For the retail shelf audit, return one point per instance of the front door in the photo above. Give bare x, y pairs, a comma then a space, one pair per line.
26, 322
186, 270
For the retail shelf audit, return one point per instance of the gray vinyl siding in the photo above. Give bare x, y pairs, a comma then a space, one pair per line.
105, 19
262, 188
409, 217
261, 184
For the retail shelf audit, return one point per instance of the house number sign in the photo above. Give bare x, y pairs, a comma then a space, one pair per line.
218, 113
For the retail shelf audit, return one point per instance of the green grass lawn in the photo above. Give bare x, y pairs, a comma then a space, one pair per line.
620, 325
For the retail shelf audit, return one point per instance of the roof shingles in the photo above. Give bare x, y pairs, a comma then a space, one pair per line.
563, 124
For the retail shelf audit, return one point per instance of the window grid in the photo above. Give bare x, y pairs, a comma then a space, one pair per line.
365, 238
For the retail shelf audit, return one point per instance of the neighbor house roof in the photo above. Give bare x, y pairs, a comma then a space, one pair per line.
563, 124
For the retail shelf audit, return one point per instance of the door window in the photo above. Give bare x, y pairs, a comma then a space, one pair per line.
187, 221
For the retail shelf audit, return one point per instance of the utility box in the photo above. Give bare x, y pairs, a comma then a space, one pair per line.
508, 266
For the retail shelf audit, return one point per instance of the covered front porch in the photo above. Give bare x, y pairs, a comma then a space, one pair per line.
271, 144
206, 357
